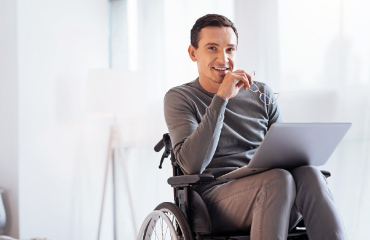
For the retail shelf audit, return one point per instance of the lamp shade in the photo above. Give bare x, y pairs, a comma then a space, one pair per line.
114, 92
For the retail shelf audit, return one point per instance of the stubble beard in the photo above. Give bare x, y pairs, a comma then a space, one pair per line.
217, 79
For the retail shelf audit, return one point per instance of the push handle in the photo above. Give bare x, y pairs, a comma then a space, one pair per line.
159, 146
165, 155
164, 142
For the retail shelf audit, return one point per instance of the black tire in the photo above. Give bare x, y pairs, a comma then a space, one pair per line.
184, 232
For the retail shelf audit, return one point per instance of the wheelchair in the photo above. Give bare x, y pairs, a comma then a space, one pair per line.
187, 218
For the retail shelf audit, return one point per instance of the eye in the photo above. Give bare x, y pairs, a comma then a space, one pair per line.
212, 48
231, 49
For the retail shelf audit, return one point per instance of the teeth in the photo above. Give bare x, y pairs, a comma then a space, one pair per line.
221, 69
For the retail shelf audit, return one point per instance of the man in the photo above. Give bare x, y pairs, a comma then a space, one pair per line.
216, 124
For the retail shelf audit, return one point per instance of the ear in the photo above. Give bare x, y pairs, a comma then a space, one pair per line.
191, 51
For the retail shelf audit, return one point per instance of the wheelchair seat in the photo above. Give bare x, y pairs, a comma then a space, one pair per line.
188, 218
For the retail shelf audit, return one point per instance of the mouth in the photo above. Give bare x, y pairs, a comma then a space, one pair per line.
221, 70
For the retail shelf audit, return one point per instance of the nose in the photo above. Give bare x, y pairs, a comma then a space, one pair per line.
223, 57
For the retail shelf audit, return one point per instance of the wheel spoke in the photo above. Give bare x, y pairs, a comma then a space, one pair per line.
173, 220
172, 227
155, 231
162, 228
165, 234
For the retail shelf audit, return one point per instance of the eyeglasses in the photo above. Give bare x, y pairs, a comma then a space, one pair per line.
263, 97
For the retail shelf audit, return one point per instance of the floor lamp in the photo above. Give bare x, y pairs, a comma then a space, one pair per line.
110, 93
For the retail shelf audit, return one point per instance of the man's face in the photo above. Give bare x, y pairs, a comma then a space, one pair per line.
215, 54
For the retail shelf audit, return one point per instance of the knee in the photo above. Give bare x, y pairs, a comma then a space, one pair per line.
283, 183
306, 170
281, 175
309, 179
308, 175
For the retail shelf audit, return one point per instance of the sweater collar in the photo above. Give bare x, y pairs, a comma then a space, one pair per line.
197, 85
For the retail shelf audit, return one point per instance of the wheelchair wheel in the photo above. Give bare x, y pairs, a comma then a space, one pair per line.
167, 221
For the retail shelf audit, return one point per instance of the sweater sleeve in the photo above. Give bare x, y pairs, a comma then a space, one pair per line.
273, 109
194, 144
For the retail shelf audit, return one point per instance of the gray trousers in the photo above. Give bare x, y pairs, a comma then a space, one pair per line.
271, 203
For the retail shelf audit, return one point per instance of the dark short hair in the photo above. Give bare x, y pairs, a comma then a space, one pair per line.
209, 20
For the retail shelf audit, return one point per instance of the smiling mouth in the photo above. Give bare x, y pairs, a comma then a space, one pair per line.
220, 70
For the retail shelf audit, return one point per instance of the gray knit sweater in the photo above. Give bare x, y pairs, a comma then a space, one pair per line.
212, 135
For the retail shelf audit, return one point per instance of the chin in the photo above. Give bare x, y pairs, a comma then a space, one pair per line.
218, 81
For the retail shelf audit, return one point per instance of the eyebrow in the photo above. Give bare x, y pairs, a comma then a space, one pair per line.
215, 44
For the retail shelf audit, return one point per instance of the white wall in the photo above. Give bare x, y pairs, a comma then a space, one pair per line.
258, 46
58, 42
9, 114
47, 48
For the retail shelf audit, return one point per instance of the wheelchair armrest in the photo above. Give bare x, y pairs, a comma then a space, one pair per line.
326, 173
186, 180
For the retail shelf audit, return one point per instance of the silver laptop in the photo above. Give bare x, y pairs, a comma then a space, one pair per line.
290, 145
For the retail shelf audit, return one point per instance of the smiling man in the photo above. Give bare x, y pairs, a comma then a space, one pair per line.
216, 124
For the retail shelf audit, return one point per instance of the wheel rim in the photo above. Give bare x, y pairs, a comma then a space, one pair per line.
158, 229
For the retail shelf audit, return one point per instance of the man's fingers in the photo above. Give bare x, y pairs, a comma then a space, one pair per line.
243, 73
240, 84
243, 80
249, 79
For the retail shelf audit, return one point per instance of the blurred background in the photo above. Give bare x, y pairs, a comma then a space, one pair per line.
53, 152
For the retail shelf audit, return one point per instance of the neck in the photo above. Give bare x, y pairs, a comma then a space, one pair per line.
208, 84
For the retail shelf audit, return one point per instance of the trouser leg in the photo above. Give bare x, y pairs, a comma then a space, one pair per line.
267, 198
315, 202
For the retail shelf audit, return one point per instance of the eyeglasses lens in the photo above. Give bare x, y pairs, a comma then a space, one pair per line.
265, 99
254, 88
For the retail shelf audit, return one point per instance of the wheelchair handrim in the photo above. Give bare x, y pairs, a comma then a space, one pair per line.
153, 221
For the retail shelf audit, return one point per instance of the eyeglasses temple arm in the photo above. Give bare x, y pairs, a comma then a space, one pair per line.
278, 94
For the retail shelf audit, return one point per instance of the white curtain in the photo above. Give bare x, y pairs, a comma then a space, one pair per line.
317, 55
325, 56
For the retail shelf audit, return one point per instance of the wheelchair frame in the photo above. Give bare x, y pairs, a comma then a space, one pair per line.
194, 209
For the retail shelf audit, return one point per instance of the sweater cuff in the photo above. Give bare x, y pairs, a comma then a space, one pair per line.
218, 103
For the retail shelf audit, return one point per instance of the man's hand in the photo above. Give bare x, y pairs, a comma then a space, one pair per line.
232, 83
